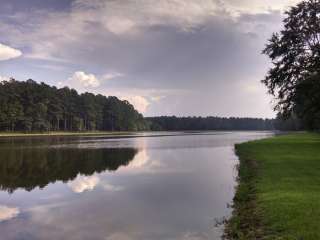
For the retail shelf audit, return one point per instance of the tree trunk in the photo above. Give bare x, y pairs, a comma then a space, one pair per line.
71, 124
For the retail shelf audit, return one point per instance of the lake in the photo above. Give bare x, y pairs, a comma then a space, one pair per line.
142, 186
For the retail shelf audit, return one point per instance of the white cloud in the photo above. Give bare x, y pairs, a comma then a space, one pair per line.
157, 98
121, 17
81, 80
251, 87
140, 103
47, 40
110, 76
83, 183
140, 160
7, 213
236, 7
147, 39
194, 236
7, 52
142, 163
4, 78
86, 80
109, 187
119, 25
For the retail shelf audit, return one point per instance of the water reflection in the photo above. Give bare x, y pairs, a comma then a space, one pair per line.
7, 213
146, 188
83, 183
28, 168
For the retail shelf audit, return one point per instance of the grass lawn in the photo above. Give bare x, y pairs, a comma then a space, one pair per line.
278, 196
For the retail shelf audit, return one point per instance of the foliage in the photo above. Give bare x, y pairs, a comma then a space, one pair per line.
209, 123
295, 54
289, 123
29, 106
307, 102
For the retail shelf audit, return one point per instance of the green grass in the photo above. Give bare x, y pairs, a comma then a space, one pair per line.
278, 196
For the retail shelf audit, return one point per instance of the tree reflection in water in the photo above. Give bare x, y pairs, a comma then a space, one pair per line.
26, 167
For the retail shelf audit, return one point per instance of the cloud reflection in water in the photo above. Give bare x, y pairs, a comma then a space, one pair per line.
83, 183
7, 213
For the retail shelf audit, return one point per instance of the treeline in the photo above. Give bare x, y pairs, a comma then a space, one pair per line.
291, 123
209, 123
30, 106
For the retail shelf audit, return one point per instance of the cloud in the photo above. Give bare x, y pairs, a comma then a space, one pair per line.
7, 213
45, 36
82, 183
81, 80
4, 78
201, 48
157, 98
7, 52
111, 188
194, 236
119, 236
140, 103
236, 8
86, 80
140, 160
109, 76
120, 17
142, 163
132, 16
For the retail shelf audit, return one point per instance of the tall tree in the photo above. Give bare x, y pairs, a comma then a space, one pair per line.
29, 106
295, 54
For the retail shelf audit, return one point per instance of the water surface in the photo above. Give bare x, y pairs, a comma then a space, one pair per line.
136, 187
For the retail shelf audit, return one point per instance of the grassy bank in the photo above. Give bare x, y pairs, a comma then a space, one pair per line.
278, 196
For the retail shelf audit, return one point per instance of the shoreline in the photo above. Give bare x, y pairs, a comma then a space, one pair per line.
57, 134
111, 133
278, 190
245, 222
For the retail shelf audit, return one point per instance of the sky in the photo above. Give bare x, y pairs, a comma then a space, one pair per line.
167, 57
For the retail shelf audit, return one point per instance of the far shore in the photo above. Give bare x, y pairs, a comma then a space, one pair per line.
109, 133
61, 133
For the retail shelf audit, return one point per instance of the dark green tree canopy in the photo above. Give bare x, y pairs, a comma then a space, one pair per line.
30, 106
173, 123
295, 54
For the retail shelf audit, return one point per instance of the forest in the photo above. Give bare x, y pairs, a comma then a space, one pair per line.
29, 106
209, 123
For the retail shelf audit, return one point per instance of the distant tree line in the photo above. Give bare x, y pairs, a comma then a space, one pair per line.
30, 106
291, 123
209, 123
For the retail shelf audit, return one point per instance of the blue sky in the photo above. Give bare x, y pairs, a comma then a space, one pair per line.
167, 57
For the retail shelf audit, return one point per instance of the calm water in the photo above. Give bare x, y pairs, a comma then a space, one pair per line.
130, 188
